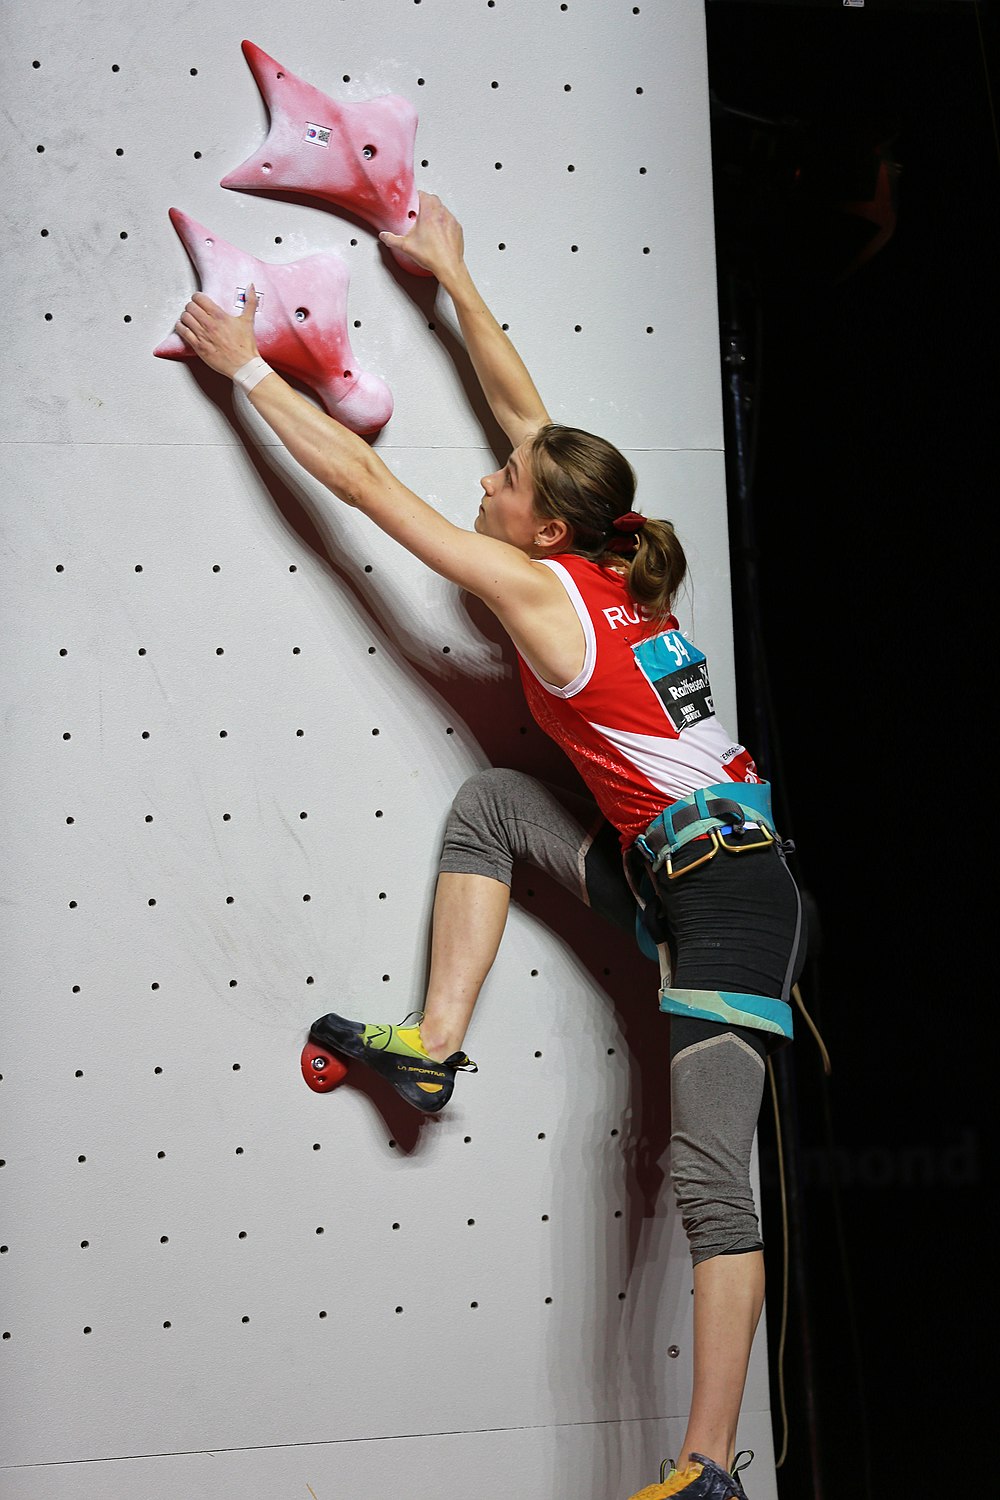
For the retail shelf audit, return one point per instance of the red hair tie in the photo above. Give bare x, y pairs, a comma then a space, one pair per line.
629, 525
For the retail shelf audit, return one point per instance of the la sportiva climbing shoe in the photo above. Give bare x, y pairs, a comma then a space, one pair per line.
398, 1054
700, 1480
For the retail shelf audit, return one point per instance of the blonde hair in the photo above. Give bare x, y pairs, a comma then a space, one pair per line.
586, 482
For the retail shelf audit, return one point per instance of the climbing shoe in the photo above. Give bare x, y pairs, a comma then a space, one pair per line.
700, 1480
398, 1054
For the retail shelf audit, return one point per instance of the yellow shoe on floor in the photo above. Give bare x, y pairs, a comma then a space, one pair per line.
700, 1479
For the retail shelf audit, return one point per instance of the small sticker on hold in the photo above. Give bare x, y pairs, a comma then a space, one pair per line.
859, 4
240, 300
318, 135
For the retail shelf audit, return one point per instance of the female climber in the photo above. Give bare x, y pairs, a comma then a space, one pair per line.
584, 586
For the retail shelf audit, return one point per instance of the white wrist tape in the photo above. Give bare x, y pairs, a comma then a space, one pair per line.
252, 373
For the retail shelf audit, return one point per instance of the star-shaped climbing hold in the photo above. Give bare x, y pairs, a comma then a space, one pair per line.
357, 156
301, 322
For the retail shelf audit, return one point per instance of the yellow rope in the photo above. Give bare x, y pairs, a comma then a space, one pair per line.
784, 1273
797, 996
779, 1147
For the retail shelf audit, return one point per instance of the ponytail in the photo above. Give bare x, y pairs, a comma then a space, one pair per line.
589, 484
657, 569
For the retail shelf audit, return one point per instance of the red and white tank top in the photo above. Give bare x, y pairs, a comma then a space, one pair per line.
638, 720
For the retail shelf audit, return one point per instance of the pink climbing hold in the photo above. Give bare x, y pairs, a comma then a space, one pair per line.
357, 156
301, 322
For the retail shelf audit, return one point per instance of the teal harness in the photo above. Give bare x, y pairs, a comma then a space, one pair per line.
713, 810
716, 813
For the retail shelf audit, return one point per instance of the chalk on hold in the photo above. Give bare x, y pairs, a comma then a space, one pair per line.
301, 321
358, 156
322, 1070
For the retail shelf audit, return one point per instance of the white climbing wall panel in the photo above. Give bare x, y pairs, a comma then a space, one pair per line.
235, 717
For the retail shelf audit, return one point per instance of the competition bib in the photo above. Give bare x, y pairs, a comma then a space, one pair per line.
678, 673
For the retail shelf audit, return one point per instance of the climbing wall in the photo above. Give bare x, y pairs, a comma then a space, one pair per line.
235, 717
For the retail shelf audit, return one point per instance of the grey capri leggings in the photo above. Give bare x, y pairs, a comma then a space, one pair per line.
716, 1072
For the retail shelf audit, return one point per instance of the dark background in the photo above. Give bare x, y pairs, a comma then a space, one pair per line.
857, 182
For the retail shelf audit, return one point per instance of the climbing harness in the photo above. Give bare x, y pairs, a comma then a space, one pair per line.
713, 812
718, 814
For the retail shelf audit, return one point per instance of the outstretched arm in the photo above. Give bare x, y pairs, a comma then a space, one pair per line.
437, 243
498, 573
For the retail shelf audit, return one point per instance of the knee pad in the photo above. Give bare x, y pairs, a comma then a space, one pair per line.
487, 795
475, 837
716, 1086
480, 833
